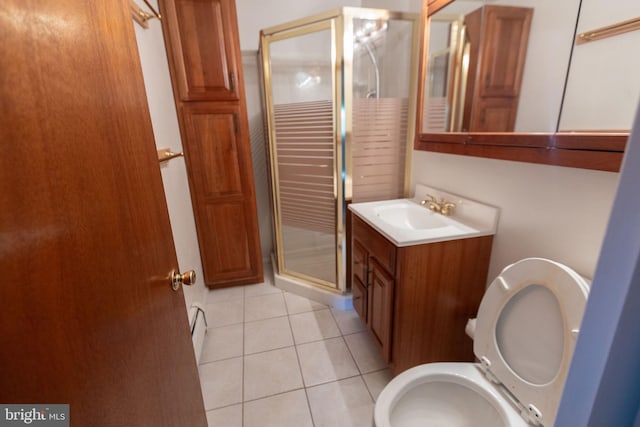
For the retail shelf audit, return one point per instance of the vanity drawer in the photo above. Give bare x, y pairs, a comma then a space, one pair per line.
382, 250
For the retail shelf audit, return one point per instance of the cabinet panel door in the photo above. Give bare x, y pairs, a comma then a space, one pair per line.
204, 43
222, 191
359, 293
359, 262
380, 310
504, 49
494, 114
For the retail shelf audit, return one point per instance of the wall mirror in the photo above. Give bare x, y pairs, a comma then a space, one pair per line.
506, 79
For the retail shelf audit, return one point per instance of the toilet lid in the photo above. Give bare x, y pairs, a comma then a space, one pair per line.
527, 326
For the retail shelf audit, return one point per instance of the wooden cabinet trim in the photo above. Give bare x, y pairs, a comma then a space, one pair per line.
535, 148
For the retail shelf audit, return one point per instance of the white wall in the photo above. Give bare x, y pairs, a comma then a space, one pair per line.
258, 151
164, 119
603, 88
545, 211
254, 16
395, 5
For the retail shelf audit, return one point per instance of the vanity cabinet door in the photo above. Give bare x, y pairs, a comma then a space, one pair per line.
373, 264
359, 295
380, 295
358, 280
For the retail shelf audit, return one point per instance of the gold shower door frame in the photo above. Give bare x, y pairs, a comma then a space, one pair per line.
275, 34
340, 23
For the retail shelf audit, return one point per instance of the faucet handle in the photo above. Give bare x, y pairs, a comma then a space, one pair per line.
447, 208
428, 199
432, 203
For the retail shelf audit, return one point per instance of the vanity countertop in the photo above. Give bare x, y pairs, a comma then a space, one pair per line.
406, 222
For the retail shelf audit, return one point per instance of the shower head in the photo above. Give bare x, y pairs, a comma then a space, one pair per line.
370, 29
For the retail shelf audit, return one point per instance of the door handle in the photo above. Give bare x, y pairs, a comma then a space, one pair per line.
187, 279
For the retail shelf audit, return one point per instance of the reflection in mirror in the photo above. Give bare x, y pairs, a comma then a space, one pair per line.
603, 88
498, 66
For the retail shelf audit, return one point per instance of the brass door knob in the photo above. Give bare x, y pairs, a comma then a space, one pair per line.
187, 279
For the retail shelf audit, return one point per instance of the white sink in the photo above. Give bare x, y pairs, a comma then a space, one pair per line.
408, 215
405, 222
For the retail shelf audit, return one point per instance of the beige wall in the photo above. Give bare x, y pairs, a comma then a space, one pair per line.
254, 15
545, 211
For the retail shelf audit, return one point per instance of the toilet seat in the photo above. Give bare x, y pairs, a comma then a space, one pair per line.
526, 329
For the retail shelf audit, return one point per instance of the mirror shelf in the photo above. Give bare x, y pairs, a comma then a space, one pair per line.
598, 150
577, 150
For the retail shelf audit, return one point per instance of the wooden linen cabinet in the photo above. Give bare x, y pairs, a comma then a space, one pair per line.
202, 44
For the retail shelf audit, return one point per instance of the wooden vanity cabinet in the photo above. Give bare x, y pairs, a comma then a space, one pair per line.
416, 300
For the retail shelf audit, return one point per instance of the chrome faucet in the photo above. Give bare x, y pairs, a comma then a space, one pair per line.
443, 207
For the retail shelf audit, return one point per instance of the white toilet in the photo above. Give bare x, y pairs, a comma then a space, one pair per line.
524, 338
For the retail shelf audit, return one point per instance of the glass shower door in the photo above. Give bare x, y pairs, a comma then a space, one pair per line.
300, 81
383, 59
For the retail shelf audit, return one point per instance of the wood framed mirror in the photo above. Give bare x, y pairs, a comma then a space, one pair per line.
485, 46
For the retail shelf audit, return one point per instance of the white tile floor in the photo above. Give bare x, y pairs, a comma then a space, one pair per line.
275, 359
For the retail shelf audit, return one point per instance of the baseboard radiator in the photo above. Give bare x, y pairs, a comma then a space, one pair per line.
198, 324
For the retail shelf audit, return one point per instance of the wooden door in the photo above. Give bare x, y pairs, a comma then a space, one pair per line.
88, 316
204, 48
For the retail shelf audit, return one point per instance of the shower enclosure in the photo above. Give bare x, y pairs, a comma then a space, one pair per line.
339, 100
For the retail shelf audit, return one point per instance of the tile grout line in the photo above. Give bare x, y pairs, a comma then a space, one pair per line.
304, 386
359, 370
348, 348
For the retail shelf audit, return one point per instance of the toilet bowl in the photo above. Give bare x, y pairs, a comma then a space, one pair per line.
525, 333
